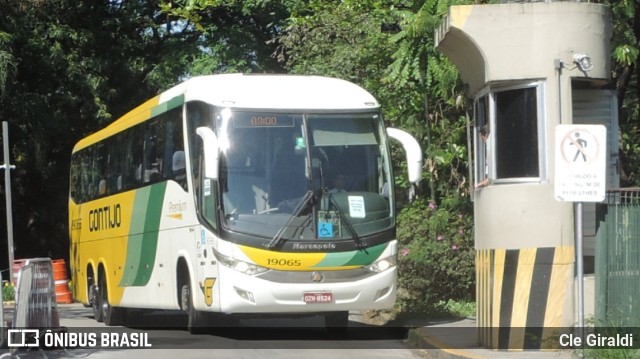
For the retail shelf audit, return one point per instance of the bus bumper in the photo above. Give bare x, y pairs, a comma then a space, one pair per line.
240, 293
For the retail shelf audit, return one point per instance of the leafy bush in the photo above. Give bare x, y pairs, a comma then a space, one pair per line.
436, 259
8, 292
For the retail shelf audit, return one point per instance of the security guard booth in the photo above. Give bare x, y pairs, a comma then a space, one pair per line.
529, 67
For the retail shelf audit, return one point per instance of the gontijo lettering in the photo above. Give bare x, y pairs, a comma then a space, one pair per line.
107, 217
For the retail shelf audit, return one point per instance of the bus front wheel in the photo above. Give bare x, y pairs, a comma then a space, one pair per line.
196, 323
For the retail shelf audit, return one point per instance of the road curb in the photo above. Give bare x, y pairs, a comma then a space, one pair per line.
437, 348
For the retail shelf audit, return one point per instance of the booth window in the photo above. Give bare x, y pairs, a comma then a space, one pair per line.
516, 133
483, 133
512, 150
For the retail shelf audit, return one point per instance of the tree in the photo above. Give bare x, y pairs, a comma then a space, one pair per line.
234, 35
625, 74
75, 68
68, 68
7, 62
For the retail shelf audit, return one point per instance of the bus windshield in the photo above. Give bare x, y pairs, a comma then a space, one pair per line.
303, 176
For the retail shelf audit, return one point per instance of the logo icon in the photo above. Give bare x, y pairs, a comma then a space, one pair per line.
317, 277
23, 338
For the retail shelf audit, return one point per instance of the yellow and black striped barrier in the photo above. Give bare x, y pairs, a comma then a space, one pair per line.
522, 295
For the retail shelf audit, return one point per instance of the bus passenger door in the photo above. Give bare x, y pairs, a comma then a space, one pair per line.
206, 269
205, 264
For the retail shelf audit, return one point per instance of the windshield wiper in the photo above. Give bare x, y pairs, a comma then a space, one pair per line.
347, 222
279, 237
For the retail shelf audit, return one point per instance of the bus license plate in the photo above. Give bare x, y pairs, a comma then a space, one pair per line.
318, 297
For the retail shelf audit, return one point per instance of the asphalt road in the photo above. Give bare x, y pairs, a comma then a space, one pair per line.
252, 338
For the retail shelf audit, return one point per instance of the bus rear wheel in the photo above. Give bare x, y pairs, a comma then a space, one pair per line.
96, 304
110, 315
196, 321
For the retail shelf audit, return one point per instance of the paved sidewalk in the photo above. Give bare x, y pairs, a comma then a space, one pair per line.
458, 340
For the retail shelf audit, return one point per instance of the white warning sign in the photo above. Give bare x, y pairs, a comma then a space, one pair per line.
581, 159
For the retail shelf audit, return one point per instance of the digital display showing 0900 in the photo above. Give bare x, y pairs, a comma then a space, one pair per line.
245, 119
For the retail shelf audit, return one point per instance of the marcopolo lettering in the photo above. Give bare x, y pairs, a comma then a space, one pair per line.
107, 217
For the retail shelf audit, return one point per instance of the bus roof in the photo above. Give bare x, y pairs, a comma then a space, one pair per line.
282, 92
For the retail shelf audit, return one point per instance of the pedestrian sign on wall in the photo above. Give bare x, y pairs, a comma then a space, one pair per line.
581, 159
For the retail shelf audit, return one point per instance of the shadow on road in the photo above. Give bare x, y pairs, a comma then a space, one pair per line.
302, 329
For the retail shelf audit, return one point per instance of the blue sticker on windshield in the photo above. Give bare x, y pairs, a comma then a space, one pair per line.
325, 230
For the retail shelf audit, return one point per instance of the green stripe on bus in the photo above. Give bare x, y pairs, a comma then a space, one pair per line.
134, 243
151, 232
168, 105
353, 258
143, 235
368, 256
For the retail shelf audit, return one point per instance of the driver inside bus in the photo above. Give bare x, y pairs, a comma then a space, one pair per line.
338, 183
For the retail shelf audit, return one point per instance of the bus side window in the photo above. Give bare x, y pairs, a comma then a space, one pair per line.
99, 170
174, 156
114, 164
132, 165
74, 179
178, 168
153, 149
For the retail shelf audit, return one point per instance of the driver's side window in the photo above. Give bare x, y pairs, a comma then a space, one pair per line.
198, 115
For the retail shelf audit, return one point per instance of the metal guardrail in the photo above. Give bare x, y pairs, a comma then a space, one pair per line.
618, 196
35, 302
618, 259
35, 295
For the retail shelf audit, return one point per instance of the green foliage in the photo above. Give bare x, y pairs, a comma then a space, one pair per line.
232, 35
340, 39
610, 328
8, 292
77, 67
626, 55
436, 258
7, 62
625, 71
460, 309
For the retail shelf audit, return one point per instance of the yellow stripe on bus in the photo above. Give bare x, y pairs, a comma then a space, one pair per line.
288, 261
132, 118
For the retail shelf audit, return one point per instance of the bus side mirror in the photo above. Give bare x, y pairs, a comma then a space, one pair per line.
211, 153
413, 151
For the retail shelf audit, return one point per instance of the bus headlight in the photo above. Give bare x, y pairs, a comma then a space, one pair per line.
240, 266
382, 265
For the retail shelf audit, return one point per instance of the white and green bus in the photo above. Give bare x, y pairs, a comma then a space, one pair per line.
239, 194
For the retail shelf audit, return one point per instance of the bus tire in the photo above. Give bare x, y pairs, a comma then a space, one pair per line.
96, 304
110, 315
196, 323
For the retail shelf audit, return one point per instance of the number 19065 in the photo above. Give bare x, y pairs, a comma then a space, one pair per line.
284, 262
